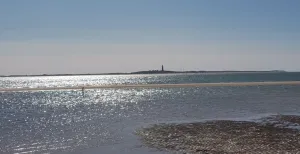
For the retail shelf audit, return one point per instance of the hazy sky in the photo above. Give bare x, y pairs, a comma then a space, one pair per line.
94, 36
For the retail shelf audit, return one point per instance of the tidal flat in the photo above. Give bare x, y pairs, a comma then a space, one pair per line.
272, 134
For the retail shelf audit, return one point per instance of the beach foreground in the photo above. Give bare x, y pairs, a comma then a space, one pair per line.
274, 134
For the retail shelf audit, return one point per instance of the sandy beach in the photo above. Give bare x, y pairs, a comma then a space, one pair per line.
155, 86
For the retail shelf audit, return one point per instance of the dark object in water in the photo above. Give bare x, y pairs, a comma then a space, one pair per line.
82, 91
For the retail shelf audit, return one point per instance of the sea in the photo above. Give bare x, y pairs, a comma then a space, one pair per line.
105, 120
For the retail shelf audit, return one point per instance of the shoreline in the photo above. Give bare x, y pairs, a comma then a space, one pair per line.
271, 134
187, 85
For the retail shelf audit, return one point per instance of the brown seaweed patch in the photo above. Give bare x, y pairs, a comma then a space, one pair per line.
224, 136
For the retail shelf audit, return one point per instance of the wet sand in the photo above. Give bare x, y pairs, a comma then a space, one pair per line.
155, 86
274, 134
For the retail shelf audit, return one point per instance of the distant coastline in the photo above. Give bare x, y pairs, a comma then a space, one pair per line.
145, 72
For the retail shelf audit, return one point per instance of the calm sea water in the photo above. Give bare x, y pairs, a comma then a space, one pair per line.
69, 81
104, 120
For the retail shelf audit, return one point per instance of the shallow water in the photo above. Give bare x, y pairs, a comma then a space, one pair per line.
104, 120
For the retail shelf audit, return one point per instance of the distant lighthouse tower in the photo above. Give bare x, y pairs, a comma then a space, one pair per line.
162, 68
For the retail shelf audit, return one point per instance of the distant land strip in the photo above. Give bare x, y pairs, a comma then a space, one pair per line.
183, 85
150, 72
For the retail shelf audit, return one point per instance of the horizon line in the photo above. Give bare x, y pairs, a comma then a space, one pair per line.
144, 72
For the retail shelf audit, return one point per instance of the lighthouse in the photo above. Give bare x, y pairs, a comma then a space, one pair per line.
162, 68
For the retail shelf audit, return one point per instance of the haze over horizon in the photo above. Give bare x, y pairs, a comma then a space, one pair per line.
93, 36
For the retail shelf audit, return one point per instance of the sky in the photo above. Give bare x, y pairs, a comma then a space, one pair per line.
95, 36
